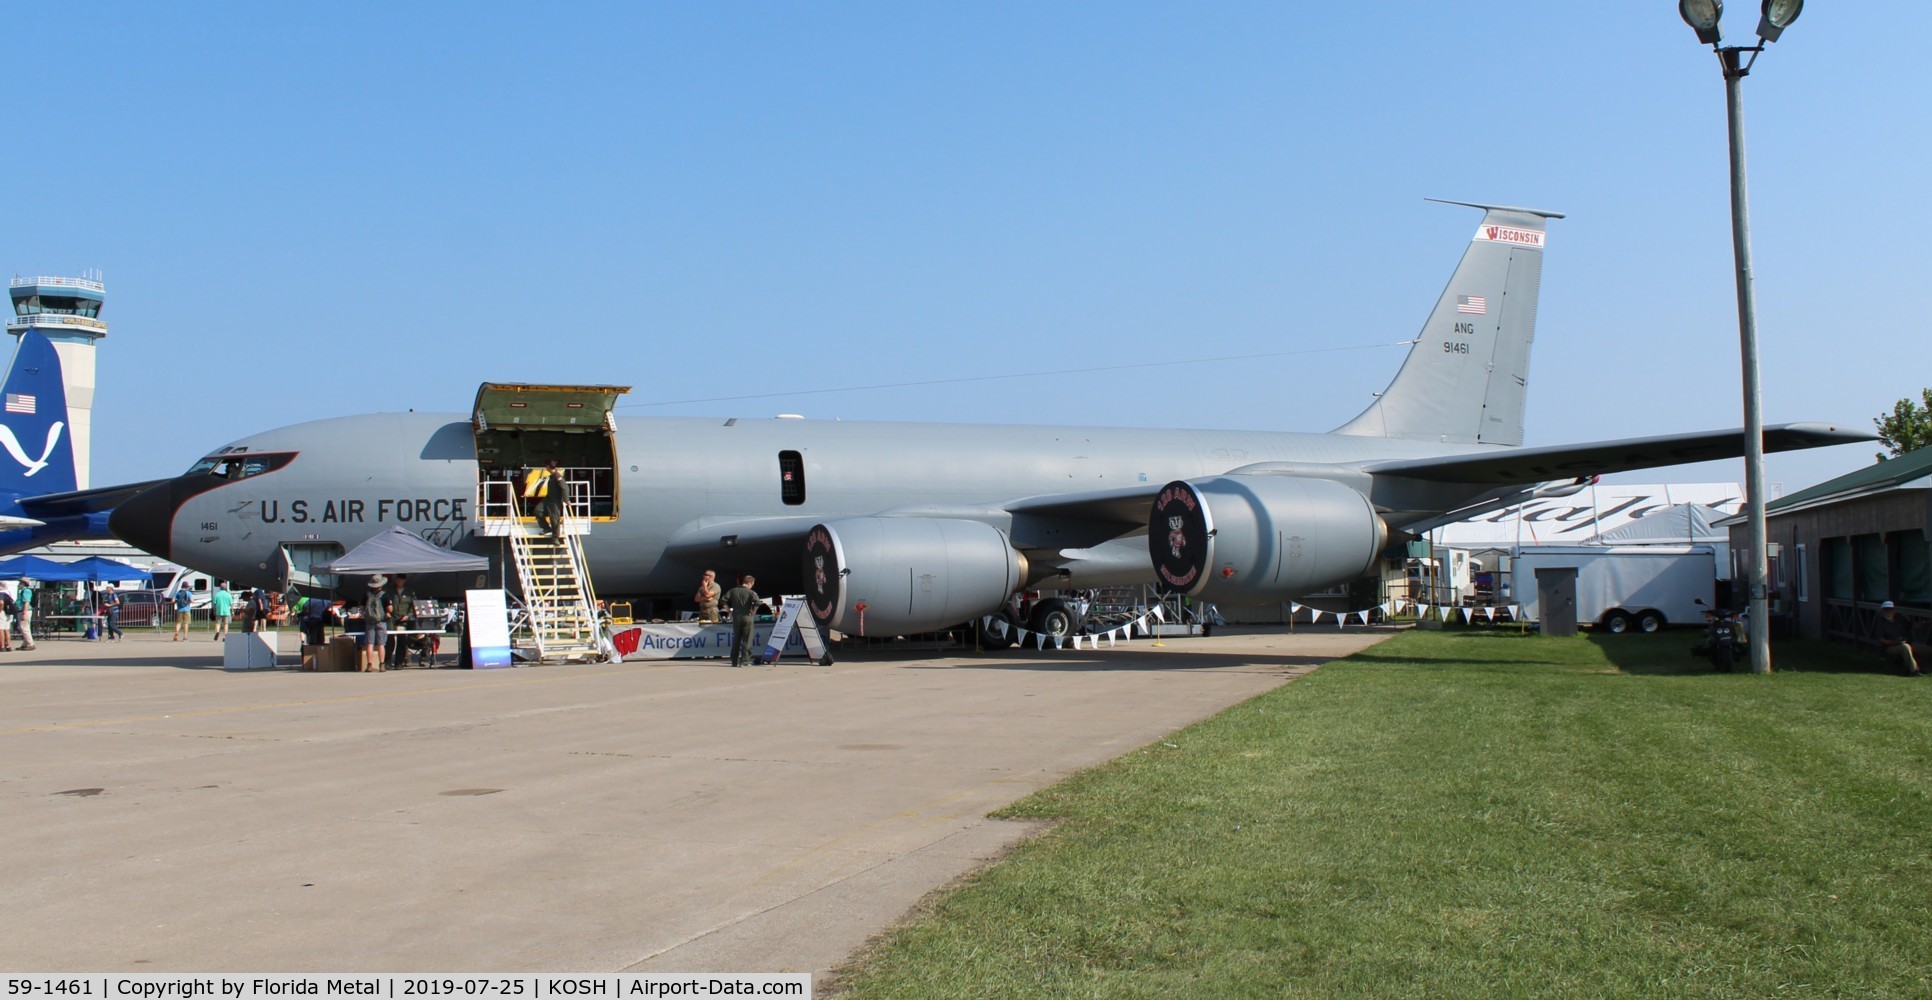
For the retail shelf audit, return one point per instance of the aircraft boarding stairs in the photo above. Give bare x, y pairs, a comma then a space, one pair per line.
560, 604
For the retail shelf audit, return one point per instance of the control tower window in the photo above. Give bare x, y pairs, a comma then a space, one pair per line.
791, 478
58, 305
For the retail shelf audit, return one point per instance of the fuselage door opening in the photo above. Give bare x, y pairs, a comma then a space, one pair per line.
522, 427
299, 560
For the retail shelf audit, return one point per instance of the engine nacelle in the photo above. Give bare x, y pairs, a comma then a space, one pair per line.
1260, 538
900, 575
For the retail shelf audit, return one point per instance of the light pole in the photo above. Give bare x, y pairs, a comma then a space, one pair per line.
1776, 15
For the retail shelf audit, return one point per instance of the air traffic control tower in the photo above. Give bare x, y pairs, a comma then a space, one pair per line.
67, 311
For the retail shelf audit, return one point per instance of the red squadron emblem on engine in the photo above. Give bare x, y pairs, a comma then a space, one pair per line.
822, 570
1177, 538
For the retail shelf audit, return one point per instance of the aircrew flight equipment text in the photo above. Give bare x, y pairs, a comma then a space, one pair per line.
620, 986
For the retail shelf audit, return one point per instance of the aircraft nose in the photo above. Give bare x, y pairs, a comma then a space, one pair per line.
146, 520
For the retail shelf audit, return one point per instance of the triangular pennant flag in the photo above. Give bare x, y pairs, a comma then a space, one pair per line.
1421, 610
1491, 612
1384, 608
1057, 640
1466, 613
1314, 615
1076, 642
1363, 615
1039, 640
1399, 603
1515, 611
1160, 612
1446, 611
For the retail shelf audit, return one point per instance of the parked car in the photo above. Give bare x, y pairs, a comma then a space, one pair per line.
146, 609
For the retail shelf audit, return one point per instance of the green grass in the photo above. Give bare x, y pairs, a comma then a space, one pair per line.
1467, 813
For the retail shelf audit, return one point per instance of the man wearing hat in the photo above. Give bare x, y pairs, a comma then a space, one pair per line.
375, 631
1895, 640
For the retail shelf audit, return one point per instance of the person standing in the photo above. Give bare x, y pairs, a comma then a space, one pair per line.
222, 607
707, 596
111, 615
254, 610
7, 610
315, 620
742, 601
375, 631
402, 608
184, 609
25, 599
546, 487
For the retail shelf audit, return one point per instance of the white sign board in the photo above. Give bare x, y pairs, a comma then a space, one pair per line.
488, 616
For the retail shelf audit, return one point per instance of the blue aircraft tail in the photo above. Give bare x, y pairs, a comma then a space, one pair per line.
36, 450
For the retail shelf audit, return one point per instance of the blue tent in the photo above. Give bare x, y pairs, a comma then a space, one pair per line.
36, 568
99, 568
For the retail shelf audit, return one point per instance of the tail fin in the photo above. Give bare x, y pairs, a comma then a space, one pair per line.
1464, 379
36, 453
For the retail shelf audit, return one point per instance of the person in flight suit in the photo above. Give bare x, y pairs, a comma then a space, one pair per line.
742, 602
707, 596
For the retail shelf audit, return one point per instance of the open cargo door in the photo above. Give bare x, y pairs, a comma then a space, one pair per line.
520, 427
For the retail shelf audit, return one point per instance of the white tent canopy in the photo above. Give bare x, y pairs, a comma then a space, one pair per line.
1678, 524
398, 551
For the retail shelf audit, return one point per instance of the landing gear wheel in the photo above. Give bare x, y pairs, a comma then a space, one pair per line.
1000, 631
1616, 623
1055, 618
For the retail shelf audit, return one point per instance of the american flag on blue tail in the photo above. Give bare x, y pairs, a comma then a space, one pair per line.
20, 402
1473, 305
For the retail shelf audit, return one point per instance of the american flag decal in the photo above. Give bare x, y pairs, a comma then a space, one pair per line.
1472, 305
19, 402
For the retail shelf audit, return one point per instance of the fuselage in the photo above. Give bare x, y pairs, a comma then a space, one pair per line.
345, 479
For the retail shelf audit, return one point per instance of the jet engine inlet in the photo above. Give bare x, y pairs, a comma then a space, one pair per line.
1260, 538
902, 575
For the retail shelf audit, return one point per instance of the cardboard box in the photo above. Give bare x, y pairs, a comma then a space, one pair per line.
335, 655
318, 657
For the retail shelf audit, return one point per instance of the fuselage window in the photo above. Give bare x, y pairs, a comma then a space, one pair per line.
791, 478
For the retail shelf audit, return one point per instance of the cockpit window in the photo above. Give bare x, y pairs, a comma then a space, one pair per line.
237, 464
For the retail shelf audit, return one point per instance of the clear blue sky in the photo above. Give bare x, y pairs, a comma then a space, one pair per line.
303, 211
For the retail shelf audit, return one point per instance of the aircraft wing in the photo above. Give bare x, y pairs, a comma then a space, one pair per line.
1513, 466
76, 502
1053, 520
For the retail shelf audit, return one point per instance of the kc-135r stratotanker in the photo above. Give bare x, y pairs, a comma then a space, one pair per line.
894, 528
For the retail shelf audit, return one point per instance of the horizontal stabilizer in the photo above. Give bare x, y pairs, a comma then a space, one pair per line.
1512, 466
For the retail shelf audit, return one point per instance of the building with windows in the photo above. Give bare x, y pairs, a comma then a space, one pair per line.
1839, 548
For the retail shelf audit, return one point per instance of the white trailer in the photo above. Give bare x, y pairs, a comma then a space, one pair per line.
1621, 587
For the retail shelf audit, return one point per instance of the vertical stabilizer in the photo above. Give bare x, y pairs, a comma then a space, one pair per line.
38, 450
1464, 379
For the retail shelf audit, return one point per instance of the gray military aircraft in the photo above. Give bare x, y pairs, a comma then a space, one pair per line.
896, 528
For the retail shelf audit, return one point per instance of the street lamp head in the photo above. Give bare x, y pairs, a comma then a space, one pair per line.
1702, 16
1778, 15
